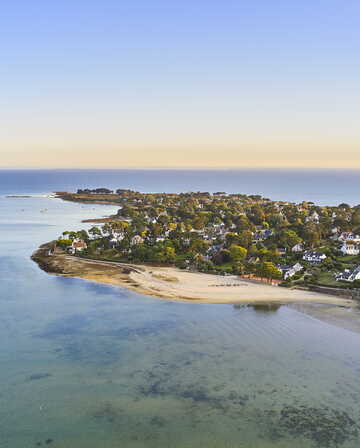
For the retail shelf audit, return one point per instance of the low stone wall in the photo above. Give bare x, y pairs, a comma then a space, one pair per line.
346, 293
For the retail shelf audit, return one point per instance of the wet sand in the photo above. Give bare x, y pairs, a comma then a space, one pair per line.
343, 317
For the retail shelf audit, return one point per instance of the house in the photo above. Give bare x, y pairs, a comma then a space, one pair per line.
314, 257
262, 235
267, 233
349, 236
297, 248
252, 260
348, 275
199, 232
113, 242
136, 240
313, 217
354, 238
215, 248
118, 236
282, 250
349, 248
290, 271
77, 246
186, 241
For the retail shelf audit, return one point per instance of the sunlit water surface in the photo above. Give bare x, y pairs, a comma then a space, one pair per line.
85, 365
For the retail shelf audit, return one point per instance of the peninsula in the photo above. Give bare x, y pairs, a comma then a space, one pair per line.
213, 247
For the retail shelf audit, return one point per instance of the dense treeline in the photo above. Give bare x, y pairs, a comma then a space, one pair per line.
221, 233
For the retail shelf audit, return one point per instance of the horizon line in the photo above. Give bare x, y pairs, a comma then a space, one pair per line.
182, 168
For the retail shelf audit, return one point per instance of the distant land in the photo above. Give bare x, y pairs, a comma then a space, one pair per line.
323, 187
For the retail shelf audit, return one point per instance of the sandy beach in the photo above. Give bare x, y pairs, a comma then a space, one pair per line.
175, 284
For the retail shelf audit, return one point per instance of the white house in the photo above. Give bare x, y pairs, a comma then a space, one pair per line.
314, 257
349, 236
199, 232
186, 241
349, 248
348, 275
113, 242
290, 271
297, 248
136, 240
118, 236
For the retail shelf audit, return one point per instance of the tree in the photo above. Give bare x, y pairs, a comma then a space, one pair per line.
249, 268
64, 243
231, 238
223, 256
237, 253
69, 235
167, 255
242, 223
120, 225
275, 220
344, 206
82, 235
311, 236
106, 229
288, 238
355, 219
199, 222
199, 245
245, 238
268, 270
238, 268
257, 215
263, 254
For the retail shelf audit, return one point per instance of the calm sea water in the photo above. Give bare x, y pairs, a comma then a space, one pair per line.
326, 187
86, 365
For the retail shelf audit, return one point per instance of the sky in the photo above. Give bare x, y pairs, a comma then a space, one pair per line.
149, 83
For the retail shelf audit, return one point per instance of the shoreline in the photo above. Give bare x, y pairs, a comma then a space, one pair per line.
333, 315
173, 284
72, 197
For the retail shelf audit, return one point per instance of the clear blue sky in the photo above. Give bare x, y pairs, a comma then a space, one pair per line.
169, 83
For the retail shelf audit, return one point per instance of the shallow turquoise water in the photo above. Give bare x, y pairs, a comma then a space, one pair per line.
87, 365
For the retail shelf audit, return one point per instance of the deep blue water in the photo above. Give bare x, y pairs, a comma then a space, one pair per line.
324, 187
92, 366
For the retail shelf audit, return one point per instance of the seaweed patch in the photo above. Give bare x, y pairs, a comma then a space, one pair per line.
325, 427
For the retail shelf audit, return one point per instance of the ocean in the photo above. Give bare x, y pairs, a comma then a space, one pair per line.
92, 366
324, 187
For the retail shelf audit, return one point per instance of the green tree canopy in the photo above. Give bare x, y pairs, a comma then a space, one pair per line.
237, 253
